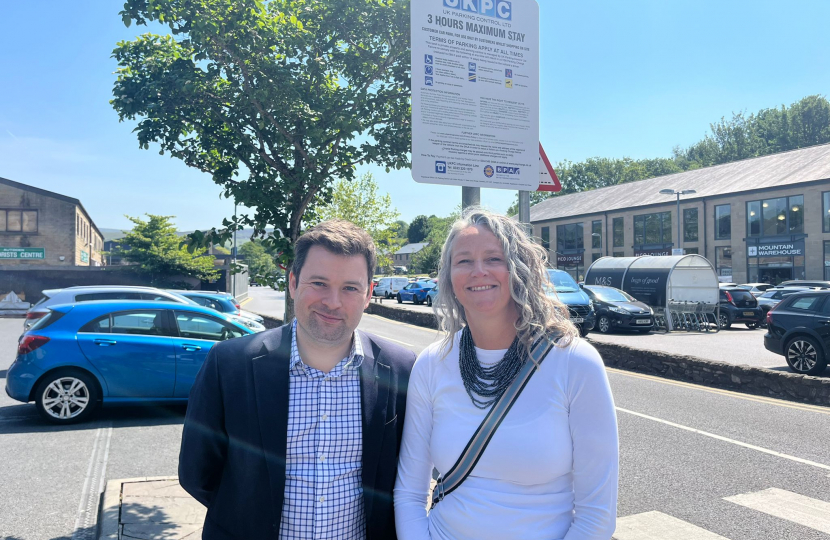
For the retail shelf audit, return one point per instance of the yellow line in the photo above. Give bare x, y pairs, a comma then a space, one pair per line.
746, 397
242, 303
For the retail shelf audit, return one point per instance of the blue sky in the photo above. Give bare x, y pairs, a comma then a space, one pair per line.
619, 79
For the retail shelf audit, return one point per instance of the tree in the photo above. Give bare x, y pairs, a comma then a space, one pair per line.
273, 98
260, 262
361, 202
418, 229
427, 260
156, 250
401, 230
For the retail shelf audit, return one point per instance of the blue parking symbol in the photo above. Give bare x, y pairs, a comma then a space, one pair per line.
427, 58
472, 66
508, 73
428, 70
428, 81
473, 77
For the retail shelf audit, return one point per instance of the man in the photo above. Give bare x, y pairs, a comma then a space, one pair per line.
294, 433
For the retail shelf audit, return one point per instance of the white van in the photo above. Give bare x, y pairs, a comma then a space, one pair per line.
388, 287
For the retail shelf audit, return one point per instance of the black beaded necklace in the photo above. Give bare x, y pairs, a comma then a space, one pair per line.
486, 384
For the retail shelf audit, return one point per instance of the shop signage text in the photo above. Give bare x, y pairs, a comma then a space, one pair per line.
569, 260
84, 256
22, 253
653, 252
781, 249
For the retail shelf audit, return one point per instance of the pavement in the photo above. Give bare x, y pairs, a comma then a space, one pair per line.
149, 509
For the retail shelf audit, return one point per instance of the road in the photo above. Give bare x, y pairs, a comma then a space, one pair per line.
686, 453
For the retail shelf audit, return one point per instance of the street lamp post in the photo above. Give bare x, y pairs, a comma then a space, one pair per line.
233, 275
678, 193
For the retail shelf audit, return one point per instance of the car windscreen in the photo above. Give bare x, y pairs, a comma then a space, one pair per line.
562, 281
612, 295
742, 295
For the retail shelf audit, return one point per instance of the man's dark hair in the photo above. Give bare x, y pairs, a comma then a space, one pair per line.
339, 237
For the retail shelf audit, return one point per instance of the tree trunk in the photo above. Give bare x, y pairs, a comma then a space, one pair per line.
289, 306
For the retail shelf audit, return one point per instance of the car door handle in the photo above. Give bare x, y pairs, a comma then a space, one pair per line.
824, 321
191, 348
105, 342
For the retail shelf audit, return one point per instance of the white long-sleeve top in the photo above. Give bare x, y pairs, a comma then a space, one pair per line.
550, 471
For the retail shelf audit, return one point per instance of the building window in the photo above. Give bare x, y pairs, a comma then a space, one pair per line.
652, 229
690, 224
826, 259
825, 211
595, 256
546, 238
569, 237
776, 217
619, 254
619, 232
723, 222
691, 251
723, 262
596, 229
18, 221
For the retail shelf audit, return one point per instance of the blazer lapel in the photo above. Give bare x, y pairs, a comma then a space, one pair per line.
374, 390
271, 385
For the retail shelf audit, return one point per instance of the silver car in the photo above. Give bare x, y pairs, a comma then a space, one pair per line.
71, 295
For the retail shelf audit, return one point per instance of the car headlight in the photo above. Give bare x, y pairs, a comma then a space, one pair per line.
590, 305
253, 325
650, 311
619, 310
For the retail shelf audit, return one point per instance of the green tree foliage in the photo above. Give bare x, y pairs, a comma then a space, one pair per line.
155, 249
804, 123
361, 202
418, 229
274, 98
426, 261
260, 263
401, 230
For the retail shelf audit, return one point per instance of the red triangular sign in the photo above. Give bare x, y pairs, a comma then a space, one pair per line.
548, 181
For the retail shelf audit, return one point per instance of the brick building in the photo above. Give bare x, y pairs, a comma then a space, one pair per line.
42, 228
765, 219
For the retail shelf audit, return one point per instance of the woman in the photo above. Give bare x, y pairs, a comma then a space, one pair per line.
550, 470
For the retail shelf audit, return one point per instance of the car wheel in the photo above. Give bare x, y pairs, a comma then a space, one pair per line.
66, 396
582, 330
723, 319
429, 301
400, 300
804, 356
604, 324
416, 301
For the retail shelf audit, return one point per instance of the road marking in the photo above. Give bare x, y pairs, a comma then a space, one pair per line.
728, 440
396, 341
659, 526
242, 303
793, 507
384, 319
87, 518
747, 397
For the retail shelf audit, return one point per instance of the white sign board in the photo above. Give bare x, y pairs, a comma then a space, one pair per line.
475, 93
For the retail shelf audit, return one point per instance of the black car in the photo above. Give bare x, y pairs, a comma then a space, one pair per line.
799, 330
618, 310
739, 306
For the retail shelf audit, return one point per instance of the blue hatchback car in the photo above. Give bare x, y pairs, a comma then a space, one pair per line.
415, 292
81, 355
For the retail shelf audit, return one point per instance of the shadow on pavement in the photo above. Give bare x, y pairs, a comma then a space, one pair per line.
25, 419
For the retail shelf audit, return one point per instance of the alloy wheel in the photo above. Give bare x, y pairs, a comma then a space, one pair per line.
802, 356
65, 398
604, 324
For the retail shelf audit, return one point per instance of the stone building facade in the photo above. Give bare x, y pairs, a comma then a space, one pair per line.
42, 228
765, 219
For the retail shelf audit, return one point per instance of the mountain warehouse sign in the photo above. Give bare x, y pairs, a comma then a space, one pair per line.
777, 249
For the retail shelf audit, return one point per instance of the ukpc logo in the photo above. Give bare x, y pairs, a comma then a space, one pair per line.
498, 9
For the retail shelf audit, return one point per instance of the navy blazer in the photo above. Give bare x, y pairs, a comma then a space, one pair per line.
234, 441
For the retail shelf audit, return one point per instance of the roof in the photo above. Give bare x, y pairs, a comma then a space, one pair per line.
53, 195
776, 170
412, 248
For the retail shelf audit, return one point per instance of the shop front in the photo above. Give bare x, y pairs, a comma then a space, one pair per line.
773, 261
573, 264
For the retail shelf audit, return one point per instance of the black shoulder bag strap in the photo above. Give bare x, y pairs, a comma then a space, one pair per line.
447, 483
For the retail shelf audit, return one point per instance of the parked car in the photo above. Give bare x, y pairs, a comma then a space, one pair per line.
432, 294
415, 292
757, 289
799, 330
618, 310
71, 295
563, 286
804, 283
770, 298
78, 356
739, 306
223, 303
388, 287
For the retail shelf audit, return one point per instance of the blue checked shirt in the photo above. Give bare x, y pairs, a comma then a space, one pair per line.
324, 459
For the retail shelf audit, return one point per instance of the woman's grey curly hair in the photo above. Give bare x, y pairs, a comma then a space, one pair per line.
527, 263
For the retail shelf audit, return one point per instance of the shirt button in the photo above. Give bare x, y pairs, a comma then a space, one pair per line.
325, 417
322, 499
322, 458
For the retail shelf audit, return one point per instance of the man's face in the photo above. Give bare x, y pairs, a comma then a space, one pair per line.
330, 295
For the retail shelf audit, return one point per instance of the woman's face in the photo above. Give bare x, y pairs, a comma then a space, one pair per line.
479, 274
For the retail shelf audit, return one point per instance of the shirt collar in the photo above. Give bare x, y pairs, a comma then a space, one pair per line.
352, 361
